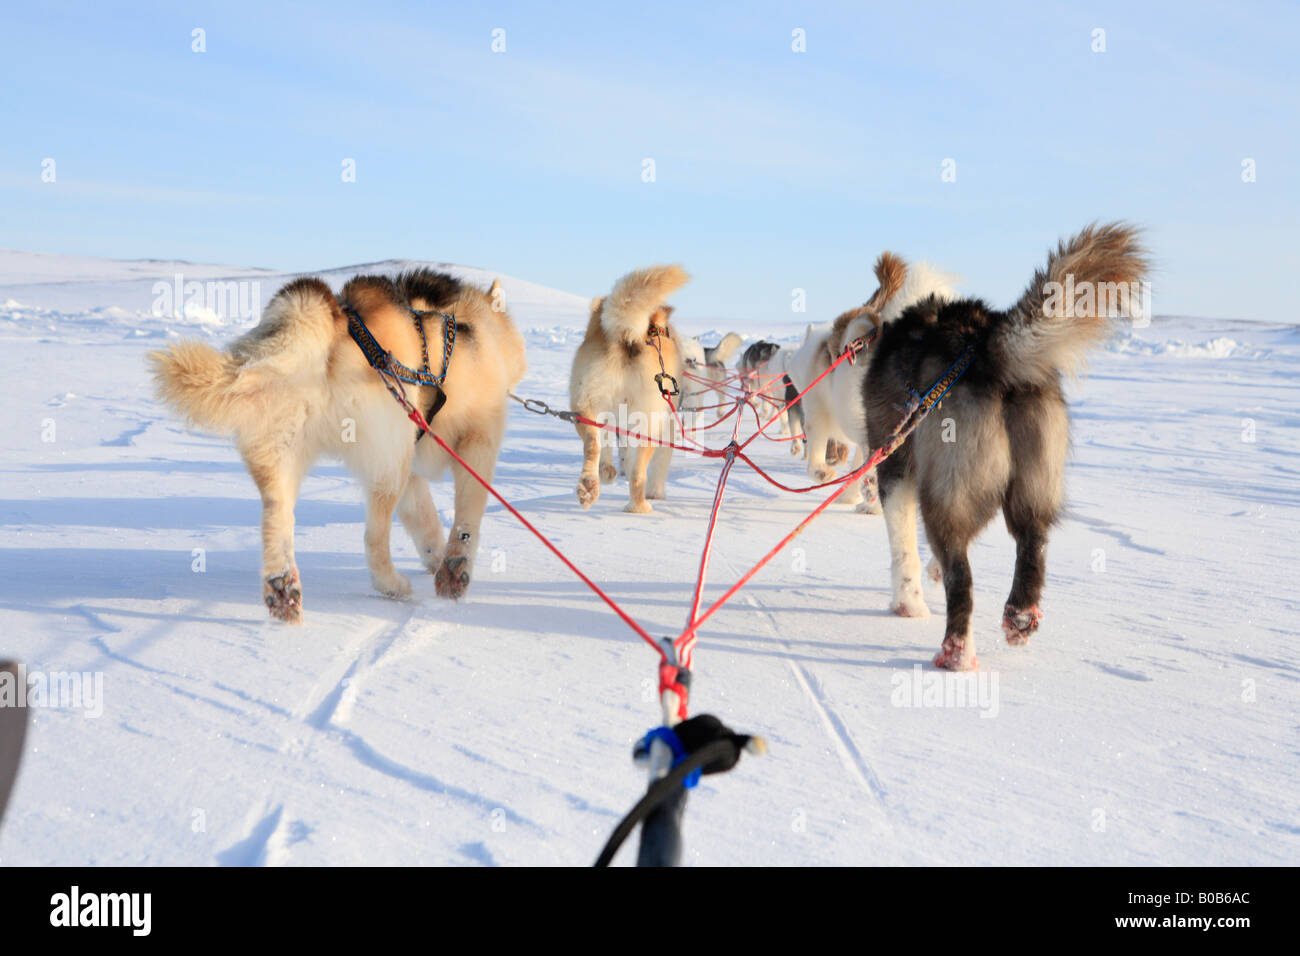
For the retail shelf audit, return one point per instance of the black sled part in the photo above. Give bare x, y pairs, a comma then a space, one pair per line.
13, 731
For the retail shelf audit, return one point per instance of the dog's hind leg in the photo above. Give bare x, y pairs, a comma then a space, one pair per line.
817, 427
387, 580
277, 481
453, 574
636, 479
1021, 615
958, 650
854, 495
898, 496
420, 518
657, 481
954, 514
589, 479
607, 470
1038, 428
870, 504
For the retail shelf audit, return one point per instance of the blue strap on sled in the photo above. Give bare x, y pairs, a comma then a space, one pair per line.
669, 736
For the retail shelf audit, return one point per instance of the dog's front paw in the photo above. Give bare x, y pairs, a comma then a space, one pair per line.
395, 585
607, 474
868, 506
909, 603
588, 491
431, 557
935, 571
283, 596
957, 654
823, 475
796, 448
452, 577
1019, 623
638, 508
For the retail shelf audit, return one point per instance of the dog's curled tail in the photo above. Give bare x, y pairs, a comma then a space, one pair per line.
195, 379
626, 312
721, 353
222, 391
1090, 281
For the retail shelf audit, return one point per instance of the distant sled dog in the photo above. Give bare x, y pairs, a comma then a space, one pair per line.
298, 386
1006, 442
764, 361
613, 380
707, 364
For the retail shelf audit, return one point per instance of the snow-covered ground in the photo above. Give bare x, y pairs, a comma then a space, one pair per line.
1152, 720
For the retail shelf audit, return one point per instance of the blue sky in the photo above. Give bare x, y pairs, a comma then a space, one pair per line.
775, 170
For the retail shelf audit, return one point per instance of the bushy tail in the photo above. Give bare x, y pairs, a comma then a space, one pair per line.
625, 314
195, 379
721, 353
223, 391
1072, 304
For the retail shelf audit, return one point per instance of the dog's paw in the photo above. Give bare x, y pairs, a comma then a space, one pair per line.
607, 474
638, 508
823, 475
934, 571
431, 557
656, 494
1019, 623
957, 654
395, 585
588, 491
796, 448
910, 603
870, 496
869, 506
283, 596
452, 577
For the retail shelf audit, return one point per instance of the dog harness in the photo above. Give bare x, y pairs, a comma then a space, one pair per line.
383, 360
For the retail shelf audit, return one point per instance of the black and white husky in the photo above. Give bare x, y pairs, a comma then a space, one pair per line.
763, 359
1005, 445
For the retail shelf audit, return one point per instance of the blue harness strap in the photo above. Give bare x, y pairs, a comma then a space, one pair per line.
384, 360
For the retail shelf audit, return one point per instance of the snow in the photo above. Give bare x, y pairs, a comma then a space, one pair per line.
1152, 720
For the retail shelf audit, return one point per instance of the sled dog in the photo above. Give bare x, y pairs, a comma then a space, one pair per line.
763, 361
297, 386
710, 364
1006, 445
614, 380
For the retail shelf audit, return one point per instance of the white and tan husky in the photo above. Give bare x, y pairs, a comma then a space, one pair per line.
833, 411
297, 387
613, 380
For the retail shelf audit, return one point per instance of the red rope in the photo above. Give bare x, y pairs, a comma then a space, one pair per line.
416, 417
685, 644
849, 350
689, 635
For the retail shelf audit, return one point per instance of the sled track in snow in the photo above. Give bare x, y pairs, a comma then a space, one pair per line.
850, 756
268, 831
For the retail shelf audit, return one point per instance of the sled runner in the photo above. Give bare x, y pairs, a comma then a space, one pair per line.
13, 730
